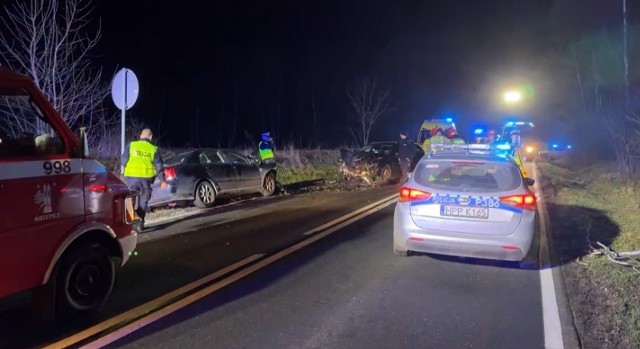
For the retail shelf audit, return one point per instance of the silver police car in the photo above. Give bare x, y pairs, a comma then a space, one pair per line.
466, 204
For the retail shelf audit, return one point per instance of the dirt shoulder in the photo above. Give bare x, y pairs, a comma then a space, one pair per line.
588, 206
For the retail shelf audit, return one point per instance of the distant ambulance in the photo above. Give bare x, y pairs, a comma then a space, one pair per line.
65, 220
424, 134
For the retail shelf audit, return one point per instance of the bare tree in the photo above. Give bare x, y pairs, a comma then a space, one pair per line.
369, 105
49, 41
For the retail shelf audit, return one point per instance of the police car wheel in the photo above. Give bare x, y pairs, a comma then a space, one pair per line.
85, 279
205, 195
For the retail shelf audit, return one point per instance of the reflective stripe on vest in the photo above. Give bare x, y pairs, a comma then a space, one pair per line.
140, 164
265, 154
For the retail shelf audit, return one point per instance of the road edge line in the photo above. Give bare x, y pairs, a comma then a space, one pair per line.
150, 305
184, 302
552, 289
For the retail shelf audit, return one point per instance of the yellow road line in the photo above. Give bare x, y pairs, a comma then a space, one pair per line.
149, 307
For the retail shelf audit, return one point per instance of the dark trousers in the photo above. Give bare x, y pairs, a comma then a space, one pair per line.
405, 164
143, 187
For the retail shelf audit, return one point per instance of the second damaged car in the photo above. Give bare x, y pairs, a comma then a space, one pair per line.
375, 163
201, 176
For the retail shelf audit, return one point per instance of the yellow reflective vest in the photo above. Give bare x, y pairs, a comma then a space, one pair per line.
140, 163
266, 153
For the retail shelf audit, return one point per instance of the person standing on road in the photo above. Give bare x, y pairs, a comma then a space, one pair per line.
406, 152
142, 163
265, 148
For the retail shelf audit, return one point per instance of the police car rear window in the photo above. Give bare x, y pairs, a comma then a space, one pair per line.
468, 176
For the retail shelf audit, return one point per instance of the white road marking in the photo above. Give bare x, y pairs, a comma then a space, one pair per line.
347, 216
149, 306
550, 312
150, 318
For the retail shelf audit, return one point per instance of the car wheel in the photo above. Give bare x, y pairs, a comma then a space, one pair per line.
205, 195
385, 175
84, 280
269, 184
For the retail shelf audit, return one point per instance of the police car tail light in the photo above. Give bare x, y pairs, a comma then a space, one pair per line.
527, 201
170, 173
408, 194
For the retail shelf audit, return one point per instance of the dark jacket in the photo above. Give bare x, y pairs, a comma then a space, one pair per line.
406, 149
158, 163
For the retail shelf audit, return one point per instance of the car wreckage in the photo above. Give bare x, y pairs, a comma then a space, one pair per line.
375, 163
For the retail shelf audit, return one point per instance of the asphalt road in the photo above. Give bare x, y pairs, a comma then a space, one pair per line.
183, 250
350, 291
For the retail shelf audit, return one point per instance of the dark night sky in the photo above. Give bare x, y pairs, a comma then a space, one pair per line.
200, 63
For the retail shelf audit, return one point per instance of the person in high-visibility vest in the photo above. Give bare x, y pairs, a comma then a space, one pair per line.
454, 137
142, 163
438, 138
265, 148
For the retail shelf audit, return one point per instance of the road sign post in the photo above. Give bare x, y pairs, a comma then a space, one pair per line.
124, 92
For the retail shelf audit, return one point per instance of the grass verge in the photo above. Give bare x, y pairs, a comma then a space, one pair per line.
297, 166
586, 206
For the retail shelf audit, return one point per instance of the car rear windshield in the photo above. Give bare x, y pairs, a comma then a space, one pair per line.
468, 176
177, 159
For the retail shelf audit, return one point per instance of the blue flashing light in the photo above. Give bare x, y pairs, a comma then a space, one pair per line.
555, 146
568, 147
448, 119
510, 123
478, 131
503, 146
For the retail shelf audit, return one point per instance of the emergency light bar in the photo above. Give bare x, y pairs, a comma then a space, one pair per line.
473, 148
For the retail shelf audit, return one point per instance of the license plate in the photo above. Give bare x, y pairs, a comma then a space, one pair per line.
461, 211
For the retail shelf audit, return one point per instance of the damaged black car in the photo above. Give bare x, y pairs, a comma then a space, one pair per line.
375, 163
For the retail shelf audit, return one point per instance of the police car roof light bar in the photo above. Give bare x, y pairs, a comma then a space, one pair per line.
480, 149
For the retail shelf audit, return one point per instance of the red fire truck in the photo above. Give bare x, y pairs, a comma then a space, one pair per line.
65, 220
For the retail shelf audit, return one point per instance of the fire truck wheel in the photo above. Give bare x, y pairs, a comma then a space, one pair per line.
86, 277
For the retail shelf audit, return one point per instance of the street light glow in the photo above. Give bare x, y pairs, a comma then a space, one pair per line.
512, 96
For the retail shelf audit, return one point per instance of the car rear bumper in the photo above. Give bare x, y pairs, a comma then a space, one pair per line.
127, 246
171, 193
409, 237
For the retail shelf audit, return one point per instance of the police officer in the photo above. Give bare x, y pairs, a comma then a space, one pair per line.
265, 148
406, 152
142, 163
